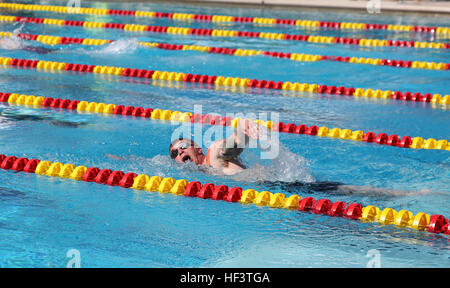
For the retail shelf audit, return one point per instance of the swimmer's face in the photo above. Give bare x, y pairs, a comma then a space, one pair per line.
184, 151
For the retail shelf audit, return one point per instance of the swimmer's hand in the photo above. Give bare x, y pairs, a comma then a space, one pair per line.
253, 130
114, 157
249, 128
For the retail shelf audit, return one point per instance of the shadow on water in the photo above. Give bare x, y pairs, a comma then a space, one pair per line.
6, 193
8, 115
337, 189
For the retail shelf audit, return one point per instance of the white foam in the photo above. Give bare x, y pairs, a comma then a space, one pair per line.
286, 167
121, 46
13, 42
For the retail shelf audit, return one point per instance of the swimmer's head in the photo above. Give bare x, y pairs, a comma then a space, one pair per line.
185, 150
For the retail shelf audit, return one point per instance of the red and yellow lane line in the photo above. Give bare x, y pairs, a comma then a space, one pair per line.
388, 216
41, 66
229, 19
208, 119
60, 40
228, 33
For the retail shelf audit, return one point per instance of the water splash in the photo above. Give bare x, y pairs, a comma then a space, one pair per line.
282, 165
160, 165
13, 42
121, 46
17, 31
286, 167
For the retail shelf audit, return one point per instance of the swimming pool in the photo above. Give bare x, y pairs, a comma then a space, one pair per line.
44, 217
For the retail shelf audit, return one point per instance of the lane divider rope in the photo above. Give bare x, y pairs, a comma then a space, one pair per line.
61, 40
286, 93
388, 216
227, 19
225, 81
209, 119
228, 33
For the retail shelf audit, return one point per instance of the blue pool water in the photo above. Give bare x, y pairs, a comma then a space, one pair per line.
41, 218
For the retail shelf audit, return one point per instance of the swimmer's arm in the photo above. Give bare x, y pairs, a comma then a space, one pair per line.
226, 159
225, 152
222, 155
114, 157
234, 145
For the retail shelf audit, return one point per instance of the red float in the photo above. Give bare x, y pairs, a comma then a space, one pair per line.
306, 204
8, 162
337, 209
369, 137
353, 211
192, 189
19, 164
206, 191
31, 165
114, 178
234, 195
322, 206
127, 180
219, 193
437, 223
90, 174
102, 176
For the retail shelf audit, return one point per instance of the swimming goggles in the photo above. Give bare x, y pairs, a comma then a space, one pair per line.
182, 146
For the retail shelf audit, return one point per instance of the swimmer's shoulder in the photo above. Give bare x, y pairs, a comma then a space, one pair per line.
214, 151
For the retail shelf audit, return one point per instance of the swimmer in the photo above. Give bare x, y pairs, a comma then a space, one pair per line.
8, 43
222, 155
